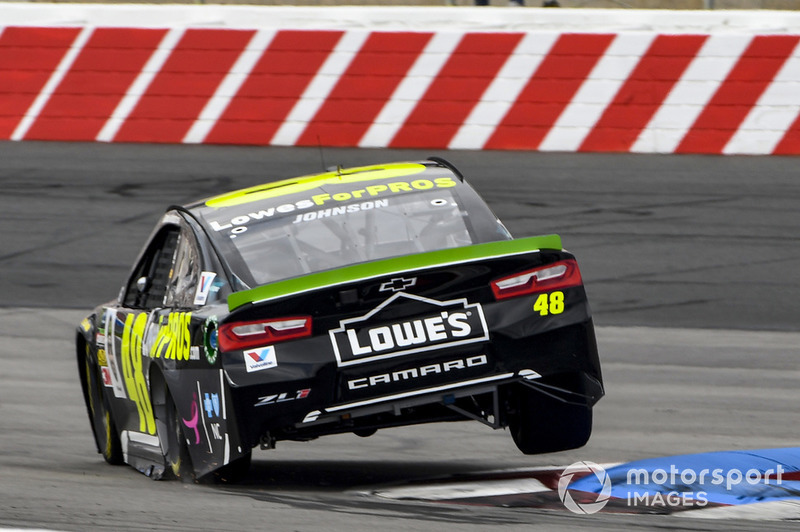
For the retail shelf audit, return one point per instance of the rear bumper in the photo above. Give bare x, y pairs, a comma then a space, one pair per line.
446, 395
561, 363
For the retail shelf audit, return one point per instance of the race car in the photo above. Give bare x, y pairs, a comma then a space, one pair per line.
345, 302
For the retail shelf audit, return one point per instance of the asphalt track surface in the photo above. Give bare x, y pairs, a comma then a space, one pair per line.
691, 263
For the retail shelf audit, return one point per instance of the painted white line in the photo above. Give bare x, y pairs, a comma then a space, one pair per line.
52, 83
690, 95
503, 91
597, 92
774, 112
758, 511
443, 490
320, 87
403, 18
464, 490
229, 87
139, 86
413, 87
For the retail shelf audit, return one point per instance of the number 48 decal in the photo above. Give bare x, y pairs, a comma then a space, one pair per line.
552, 303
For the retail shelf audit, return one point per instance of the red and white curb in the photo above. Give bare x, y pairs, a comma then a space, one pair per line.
659, 90
544, 488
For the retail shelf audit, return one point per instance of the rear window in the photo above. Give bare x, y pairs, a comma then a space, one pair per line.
276, 245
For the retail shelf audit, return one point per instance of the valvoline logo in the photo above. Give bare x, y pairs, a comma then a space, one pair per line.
261, 358
437, 325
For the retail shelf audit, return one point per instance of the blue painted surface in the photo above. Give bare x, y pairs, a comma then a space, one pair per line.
725, 477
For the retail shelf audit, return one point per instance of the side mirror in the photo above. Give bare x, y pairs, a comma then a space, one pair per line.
142, 284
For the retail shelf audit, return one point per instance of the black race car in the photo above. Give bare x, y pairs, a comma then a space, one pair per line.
350, 301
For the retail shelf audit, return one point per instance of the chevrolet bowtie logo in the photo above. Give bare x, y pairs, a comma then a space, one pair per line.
398, 284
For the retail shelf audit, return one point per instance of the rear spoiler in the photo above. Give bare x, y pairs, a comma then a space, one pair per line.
396, 265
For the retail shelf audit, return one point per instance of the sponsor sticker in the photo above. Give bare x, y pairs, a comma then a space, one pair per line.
439, 325
261, 358
204, 287
374, 193
101, 358
211, 405
211, 340
398, 284
338, 211
115, 332
420, 372
283, 397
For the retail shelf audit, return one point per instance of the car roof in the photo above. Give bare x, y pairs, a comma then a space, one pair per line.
274, 193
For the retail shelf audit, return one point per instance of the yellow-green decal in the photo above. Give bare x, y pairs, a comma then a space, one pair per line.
174, 340
132, 339
305, 183
552, 303
368, 270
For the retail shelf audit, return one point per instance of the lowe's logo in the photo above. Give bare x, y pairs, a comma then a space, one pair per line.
435, 325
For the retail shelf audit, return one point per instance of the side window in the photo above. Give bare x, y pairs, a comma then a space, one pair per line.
148, 285
182, 285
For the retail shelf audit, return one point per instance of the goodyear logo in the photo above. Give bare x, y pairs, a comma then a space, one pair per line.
371, 338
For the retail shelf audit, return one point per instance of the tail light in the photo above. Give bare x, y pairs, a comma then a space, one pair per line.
562, 274
245, 334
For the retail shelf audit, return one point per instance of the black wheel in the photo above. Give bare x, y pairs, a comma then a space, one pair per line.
175, 448
365, 433
105, 430
543, 424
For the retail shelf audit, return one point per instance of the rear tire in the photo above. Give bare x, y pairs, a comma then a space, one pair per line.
177, 459
105, 430
542, 424
233, 472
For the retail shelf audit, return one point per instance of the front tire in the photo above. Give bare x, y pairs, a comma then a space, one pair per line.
542, 424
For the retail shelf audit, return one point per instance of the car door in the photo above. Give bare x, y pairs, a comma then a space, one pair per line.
182, 342
166, 314
129, 328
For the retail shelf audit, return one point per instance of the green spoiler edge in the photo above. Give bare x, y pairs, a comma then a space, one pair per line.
395, 265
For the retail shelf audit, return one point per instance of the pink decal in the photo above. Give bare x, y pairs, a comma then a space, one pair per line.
192, 423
